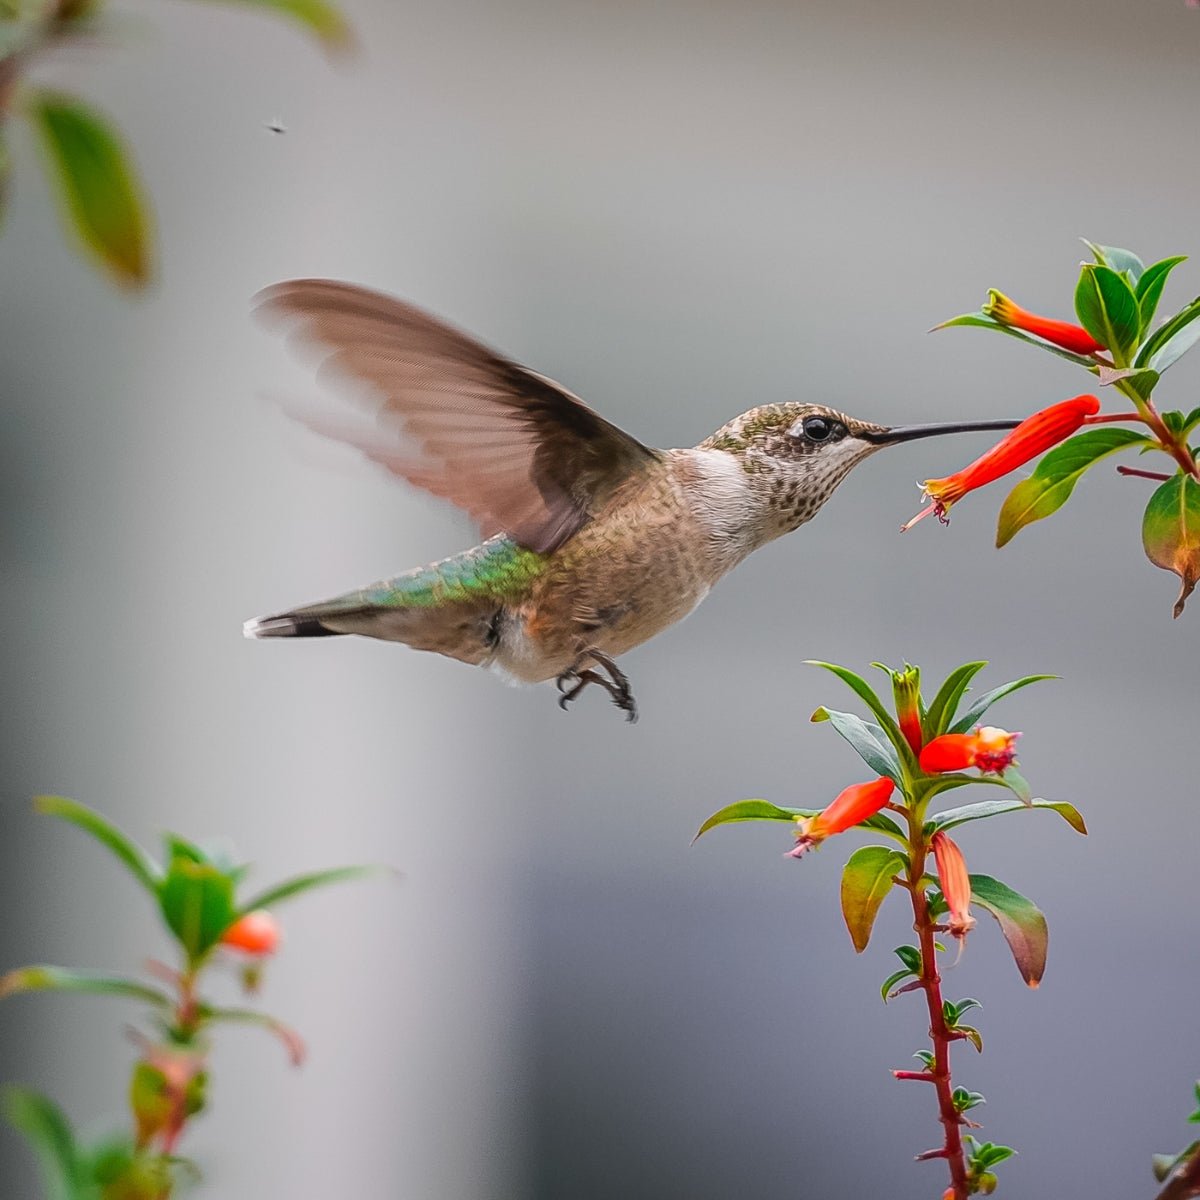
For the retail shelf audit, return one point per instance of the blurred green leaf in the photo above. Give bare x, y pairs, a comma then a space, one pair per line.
101, 194
1150, 287
1171, 532
305, 883
993, 808
197, 904
979, 321
1055, 477
868, 740
48, 1131
139, 864
866, 880
316, 16
1117, 260
945, 704
293, 1043
866, 693
1108, 310
975, 713
1021, 922
43, 978
1172, 340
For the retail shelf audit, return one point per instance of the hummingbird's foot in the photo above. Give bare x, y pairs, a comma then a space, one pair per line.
616, 683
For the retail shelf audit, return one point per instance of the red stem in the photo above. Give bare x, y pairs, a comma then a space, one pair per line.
1137, 471
1112, 418
939, 1034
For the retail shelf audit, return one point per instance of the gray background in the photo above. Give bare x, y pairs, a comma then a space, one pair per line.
680, 211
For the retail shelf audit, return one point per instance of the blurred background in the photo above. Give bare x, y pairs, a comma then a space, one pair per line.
678, 210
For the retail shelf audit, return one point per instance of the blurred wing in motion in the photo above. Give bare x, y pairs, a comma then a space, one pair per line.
517, 452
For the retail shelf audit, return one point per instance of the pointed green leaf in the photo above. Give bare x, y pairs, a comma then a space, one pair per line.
316, 16
293, 1043
48, 1131
139, 864
43, 978
866, 693
979, 321
1055, 477
1021, 922
1117, 259
1191, 421
868, 740
1150, 287
945, 704
971, 1034
867, 879
993, 808
101, 195
975, 713
1140, 380
1171, 532
746, 810
1108, 310
305, 883
1172, 340
196, 900
890, 982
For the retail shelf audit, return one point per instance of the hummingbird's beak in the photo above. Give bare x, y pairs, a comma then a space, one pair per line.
909, 433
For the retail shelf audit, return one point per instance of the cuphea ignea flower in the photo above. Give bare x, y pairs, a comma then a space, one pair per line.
256, 934
955, 884
1060, 333
853, 804
1034, 436
988, 748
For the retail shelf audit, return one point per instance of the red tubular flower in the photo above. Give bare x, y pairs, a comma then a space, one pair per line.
853, 804
1034, 436
255, 934
1059, 333
988, 748
906, 687
955, 884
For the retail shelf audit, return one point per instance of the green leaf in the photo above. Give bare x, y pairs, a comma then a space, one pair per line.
1055, 477
293, 1043
1142, 380
979, 321
993, 808
1150, 287
1117, 259
1021, 922
1172, 340
867, 879
945, 704
299, 884
971, 1034
868, 740
1108, 310
745, 810
197, 904
1171, 532
139, 864
974, 714
48, 1131
910, 956
101, 195
43, 978
890, 982
1191, 421
864, 691
316, 16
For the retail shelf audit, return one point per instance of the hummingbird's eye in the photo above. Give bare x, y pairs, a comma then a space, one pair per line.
822, 429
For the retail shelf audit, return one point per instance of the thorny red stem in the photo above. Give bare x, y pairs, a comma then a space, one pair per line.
939, 1034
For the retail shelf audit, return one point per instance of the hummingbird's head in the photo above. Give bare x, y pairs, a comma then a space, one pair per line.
795, 454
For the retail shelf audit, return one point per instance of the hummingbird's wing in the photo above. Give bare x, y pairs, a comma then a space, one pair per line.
511, 448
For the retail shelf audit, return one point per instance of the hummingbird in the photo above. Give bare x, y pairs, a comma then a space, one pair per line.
594, 542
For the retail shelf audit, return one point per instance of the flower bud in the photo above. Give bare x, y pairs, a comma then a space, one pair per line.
255, 933
955, 884
1059, 333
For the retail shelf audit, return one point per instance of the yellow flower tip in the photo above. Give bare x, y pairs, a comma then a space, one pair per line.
999, 307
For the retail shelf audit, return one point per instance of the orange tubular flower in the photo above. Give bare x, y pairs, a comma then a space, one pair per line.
1059, 333
906, 686
255, 934
988, 748
854, 804
955, 884
1034, 436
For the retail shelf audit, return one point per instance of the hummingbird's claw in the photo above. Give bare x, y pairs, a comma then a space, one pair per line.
576, 677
